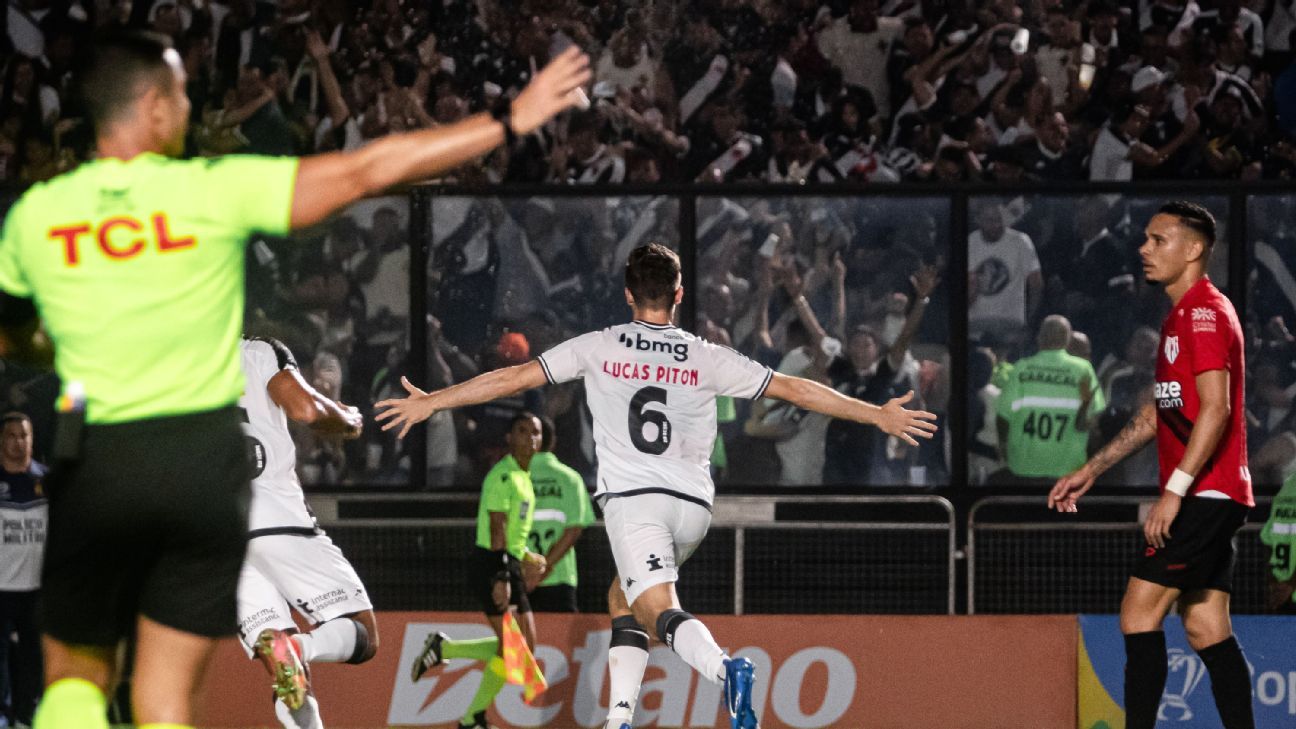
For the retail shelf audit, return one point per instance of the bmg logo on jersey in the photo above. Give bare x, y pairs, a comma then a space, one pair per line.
638, 343
1169, 394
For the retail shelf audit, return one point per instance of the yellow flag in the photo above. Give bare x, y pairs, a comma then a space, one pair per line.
520, 666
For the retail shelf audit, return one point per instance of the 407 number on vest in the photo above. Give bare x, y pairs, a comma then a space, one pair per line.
1044, 426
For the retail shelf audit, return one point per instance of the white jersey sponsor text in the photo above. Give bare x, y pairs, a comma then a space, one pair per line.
651, 389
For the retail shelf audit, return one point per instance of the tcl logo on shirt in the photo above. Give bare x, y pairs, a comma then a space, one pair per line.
1169, 394
126, 242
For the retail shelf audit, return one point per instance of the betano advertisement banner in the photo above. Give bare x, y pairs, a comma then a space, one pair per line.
1269, 643
813, 671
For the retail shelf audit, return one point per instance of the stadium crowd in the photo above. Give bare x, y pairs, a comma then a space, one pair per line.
722, 90
855, 90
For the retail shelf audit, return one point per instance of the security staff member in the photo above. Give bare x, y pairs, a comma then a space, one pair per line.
1279, 534
24, 514
1045, 409
562, 512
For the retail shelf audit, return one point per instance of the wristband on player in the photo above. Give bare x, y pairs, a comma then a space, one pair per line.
503, 555
1179, 482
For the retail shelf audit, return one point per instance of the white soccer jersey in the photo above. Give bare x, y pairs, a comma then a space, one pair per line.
652, 390
277, 498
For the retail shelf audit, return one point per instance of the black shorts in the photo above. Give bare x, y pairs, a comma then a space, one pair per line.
484, 570
152, 521
554, 599
1200, 552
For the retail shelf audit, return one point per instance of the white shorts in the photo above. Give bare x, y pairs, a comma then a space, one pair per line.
651, 535
286, 572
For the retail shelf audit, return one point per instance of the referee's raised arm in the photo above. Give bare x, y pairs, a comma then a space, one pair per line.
134, 261
329, 182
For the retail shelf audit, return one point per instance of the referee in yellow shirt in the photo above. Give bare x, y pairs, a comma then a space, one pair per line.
135, 264
500, 569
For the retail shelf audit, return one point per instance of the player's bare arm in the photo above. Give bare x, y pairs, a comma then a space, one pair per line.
329, 182
419, 405
892, 418
1212, 421
1140, 431
304, 404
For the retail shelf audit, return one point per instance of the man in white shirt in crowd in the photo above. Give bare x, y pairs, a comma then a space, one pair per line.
1005, 279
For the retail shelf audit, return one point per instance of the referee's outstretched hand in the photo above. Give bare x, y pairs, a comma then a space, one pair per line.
406, 412
1070, 488
555, 88
905, 424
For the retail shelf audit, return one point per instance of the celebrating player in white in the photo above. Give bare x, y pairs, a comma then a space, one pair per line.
290, 562
651, 388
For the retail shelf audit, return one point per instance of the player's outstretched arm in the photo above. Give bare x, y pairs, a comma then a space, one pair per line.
892, 418
329, 182
1140, 431
304, 404
419, 405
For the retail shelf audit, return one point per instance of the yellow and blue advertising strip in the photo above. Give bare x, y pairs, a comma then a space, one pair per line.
1269, 643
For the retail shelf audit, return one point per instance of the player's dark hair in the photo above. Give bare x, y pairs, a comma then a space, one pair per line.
548, 434
109, 72
13, 416
653, 274
1194, 217
521, 416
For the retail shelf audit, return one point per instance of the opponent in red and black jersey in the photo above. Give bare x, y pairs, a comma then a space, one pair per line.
1200, 334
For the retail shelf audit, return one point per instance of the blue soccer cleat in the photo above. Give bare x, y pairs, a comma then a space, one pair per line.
739, 676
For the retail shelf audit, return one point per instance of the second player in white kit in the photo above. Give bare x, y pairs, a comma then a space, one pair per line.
651, 389
291, 564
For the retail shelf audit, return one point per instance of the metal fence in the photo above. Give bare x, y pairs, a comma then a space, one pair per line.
758, 557
1023, 559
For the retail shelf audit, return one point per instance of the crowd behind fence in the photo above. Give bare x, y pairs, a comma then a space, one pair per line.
873, 293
